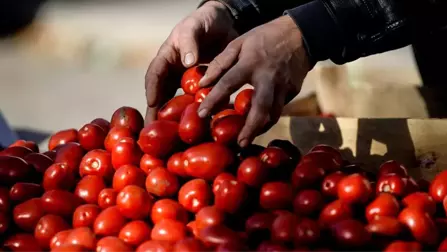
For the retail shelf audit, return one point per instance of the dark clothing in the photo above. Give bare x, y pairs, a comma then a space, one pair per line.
345, 30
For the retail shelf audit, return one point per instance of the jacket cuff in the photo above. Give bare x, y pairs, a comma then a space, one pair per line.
320, 32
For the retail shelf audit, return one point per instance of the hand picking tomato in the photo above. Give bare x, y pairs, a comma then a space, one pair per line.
242, 102
190, 79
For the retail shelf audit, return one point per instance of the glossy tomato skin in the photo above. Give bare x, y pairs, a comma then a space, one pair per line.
47, 227
159, 138
89, 187
230, 195
21, 192
59, 239
85, 215
28, 144
274, 157
58, 176
128, 175
4, 222
168, 230
276, 195
127, 117
83, 236
168, 209
207, 160
194, 195
283, 227
385, 226
5, 201
438, 187
174, 108
398, 246
308, 202
22, 242
420, 200
307, 232
420, 224
226, 130
392, 183
126, 152
209, 216
192, 128
334, 212
112, 244
60, 202
103, 123
162, 183
189, 245
213, 236
324, 160
175, 165
191, 77
109, 222
259, 222
70, 154
135, 232
115, 135
13, 170
91, 137
97, 162
62, 137
242, 102
329, 186
202, 94
350, 233
27, 214
354, 189
107, 198
328, 149
253, 172
39, 161
134, 202
306, 175
148, 163
392, 167
443, 245
385, 204
222, 114
16, 151
155, 246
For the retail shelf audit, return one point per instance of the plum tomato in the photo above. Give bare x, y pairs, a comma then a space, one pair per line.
135, 232
323, 159
159, 138
192, 128
226, 130
59, 239
350, 233
274, 157
39, 161
109, 222
168, 230
174, 108
230, 195
91, 137
443, 245
220, 178
22, 242
28, 144
60, 202
354, 189
162, 183
308, 202
97, 162
70, 154
27, 214
5, 201
328, 149
253, 172
288, 147
155, 246
168, 209
21, 192
190, 79
283, 227
329, 186
259, 222
47, 227
392, 183
89, 187
107, 198
392, 167
334, 212
242, 102
127, 117
385, 204
62, 137
134, 202
13, 170
85, 215
420, 200
148, 163
4, 222
58, 176
175, 165
207, 160
115, 135
103, 123
209, 216
307, 232
438, 187
126, 152
194, 195
399, 246
83, 236
16, 151
276, 195
193, 229
213, 236
128, 175
112, 244
222, 114
202, 94
307, 175
190, 245
385, 226
420, 224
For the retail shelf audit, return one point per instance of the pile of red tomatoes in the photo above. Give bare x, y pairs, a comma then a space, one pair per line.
181, 184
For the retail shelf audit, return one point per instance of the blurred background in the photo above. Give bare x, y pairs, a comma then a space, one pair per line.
64, 63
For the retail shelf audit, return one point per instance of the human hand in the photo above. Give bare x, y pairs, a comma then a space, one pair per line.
273, 60
208, 28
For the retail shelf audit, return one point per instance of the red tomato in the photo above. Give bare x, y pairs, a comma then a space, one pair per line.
114, 136
175, 165
134, 202
191, 77
126, 152
135, 232
50, 154
192, 129
384, 204
22, 242
127, 117
47, 227
242, 102
329, 186
70, 154
420, 200
334, 212
274, 157
162, 183
103, 123
58, 176
5, 201
112, 244
83, 236
259, 222
399, 246
270, 246
13, 170
4, 222
308, 202
173, 109
209, 216
168, 209
420, 224
276, 195
443, 245
226, 130
28, 144
97, 162
59, 202
148, 163
91, 137
109, 222
350, 233
39, 161
27, 214
230, 195
70, 248
221, 178
438, 187
354, 189
192, 228
385, 226
201, 94
168, 230
59, 239
89, 188
194, 195
222, 114
328, 149
155, 246
326, 160
392, 167
21, 192
16, 151
253, 172
190, 245
62, 137
107, 198
307, 232
216, 235
85, 215
392, 183
283, 227
207, 160
128, 175
306, 174
159, 138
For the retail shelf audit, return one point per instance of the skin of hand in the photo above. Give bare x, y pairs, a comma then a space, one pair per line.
191, 41
270, 57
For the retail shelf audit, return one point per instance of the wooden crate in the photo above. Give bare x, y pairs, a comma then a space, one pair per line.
420, 144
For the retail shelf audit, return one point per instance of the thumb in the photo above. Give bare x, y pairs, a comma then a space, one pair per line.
189, 45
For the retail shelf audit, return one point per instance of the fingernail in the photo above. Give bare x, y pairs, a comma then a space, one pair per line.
203, 113
243, 143
189, 59
201, 81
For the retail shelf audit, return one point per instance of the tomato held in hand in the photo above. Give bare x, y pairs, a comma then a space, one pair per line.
85, 215
83, 236
308, 202
253, 172
438, 187
162, 183
59, 239
128, 175
107, 198
276, 195
159, 138
242, 102
392, 167
420, 224
148, 163
385, 226
22, 242
307, 232
192, 128
97, 162
334, 212
191, 77
91, 137
174, 108
62, 137
135, 232
194, 195
354, 189
283, 227
175, 165
28, 144
13, 170
127, 117
89, 188
47, 227
134, 202
209, 216
115, 135
60, 202
58, 176
229, 195
109, 222
350, 233
420, 200
27, 214
39, 161
103, 123
226, 130
384, 204
21, 192
126, 152
70, 154
112, 244
207, 160
168, 209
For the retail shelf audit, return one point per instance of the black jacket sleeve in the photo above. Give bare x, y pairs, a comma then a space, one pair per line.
344, 30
